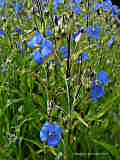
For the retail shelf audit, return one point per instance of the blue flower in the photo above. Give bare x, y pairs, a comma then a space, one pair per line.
37, 57
3, 67
64, 51
96, 6
107, 5
96, 91
89, 29
93, 31
102, 77
76, 10
2, 2
1, 32
46, 48
56, 3
50, 132
20, 47
78, 1
18, 6
19, 30
35, 40
96, 27
84, 56
76, 35
110, 42
95, 35
21, 5
48, 32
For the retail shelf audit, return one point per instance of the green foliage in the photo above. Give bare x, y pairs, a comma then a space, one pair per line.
30, 94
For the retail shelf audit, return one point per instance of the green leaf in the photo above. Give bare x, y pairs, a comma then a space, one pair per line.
110, 148
77, 116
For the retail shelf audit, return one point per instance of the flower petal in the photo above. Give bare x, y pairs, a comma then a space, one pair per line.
55, 128
103, 77
44, 133
53, 140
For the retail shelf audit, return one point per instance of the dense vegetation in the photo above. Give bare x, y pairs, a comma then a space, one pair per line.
59, 80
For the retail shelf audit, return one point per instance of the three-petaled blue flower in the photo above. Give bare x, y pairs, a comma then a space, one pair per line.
102, 77
50, 132
35, 40
96, 91
45, 47
93, 31
37, 57
76, 10
64, 51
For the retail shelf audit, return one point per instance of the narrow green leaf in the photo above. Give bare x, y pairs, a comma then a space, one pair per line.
110, 148
76, 115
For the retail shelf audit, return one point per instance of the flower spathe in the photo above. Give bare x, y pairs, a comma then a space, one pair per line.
50, 132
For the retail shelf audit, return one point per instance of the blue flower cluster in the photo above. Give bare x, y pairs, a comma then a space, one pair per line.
93, 31
51, 133
45, 47
98, 90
